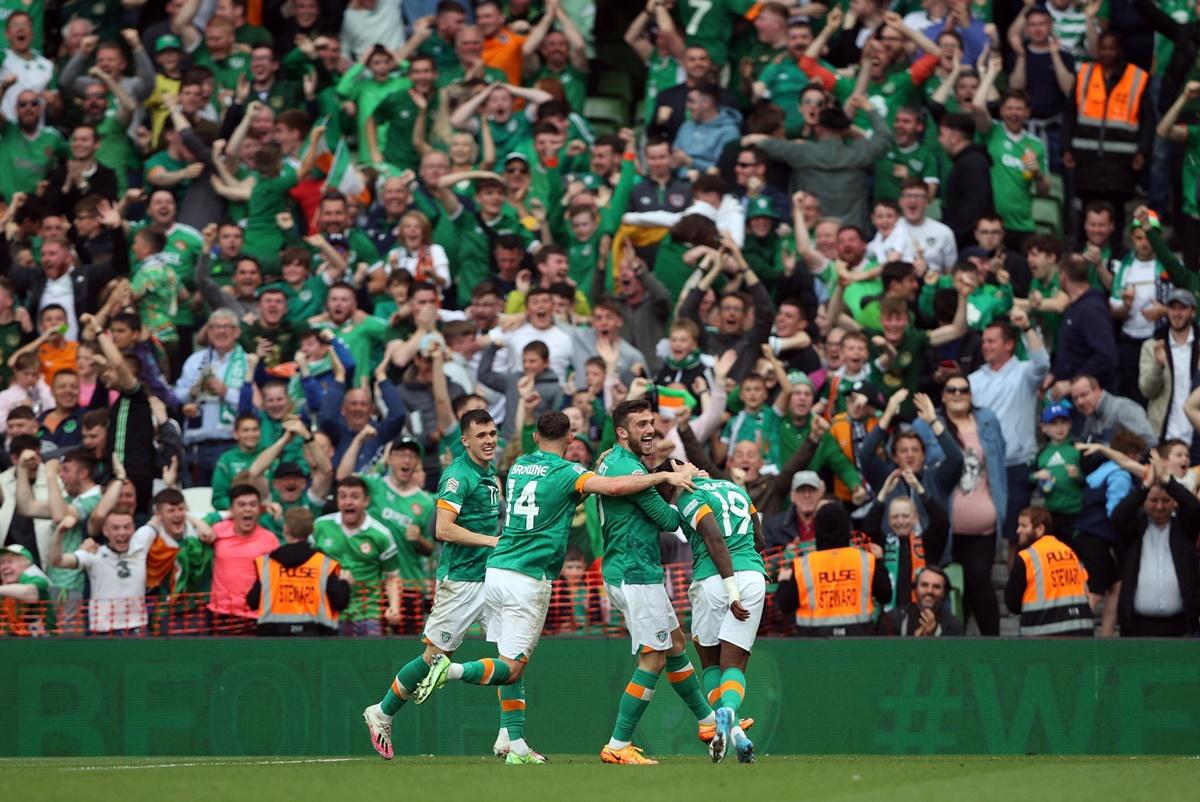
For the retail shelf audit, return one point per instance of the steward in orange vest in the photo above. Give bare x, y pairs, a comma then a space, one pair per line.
298, 590
834, 590
1109, 130
1048, 583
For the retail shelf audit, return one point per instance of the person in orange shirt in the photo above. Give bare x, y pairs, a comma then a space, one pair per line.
54, 350
502, 48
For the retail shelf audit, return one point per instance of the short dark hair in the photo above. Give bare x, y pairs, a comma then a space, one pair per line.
623, 410
1075, 269
709, 183
553, 426
169, 496
355, 481
1039, 516
82, 457
474, 417
239, 490
1046, 243
129, 319
709, 90
896, 271
93, 418
1007, 332
962, 123
536, 291
833, 119
538, 348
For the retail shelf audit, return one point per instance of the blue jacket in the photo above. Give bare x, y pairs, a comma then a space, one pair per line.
334, 425
1103, 490
991, 440
703, 142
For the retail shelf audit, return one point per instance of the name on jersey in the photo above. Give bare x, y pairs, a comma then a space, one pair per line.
528, 470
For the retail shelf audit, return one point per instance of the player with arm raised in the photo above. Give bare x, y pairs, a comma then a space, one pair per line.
633, 577
727, 593
468, 518
543, 491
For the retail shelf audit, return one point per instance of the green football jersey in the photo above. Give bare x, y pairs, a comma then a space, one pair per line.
474, 493
631, 525
543, 490
84, 504
368, 553
709, 24
397, 511
733, 512
1012, 184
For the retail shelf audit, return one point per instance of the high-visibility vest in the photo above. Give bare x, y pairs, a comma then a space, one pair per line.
1106, 121
834, 586
295, 595
1055, 600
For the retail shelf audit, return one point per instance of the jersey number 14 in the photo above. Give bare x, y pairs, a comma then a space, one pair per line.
524, 505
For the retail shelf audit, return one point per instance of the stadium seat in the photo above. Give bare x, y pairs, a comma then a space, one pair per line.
615, 84
607, 115
1056, 187
1047, 215
199, 500
934, 210
954, 573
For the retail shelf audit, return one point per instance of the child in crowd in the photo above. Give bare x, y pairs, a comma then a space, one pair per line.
1059, 476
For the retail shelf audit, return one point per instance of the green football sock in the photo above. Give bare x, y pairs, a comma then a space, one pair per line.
512, 709
488, 671
687, 685
712, 684
733, 688
409, 677
634, 702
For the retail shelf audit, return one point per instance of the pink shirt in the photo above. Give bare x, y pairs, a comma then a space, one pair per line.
233, 572
974, 512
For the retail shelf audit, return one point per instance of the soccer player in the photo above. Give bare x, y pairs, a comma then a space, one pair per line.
633, 576
468, 517
727, 593
543, 491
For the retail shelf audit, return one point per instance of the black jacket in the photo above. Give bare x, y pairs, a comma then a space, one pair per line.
968, 192
291, 555
103, 182
88, 280
675, 98
1185, 35
1129, 519
747, 344
903, 622
1086, 343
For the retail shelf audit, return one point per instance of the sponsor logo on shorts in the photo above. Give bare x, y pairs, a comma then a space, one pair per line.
661, 635
445, 637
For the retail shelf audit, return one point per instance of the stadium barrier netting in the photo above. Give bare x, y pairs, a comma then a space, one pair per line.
577, 607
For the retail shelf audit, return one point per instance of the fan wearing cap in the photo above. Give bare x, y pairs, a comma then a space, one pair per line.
1167, 368
399, 503
22, 586
764, 246
290, 485
1138, 299
1059, 475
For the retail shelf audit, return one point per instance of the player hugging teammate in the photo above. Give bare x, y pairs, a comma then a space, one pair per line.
511, 595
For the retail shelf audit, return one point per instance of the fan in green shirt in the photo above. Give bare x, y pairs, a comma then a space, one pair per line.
247, 431
182, 247
364, 547
400, 504
397, 115
24, 595
1019, 166
29, 150
367, 84
155, 287
907, 157
709, 24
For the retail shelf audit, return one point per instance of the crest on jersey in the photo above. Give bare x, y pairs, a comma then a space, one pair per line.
416, 508
365, 548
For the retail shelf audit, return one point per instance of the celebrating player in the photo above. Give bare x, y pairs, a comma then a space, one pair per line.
467, 522
633, 574
543, 491
727, 593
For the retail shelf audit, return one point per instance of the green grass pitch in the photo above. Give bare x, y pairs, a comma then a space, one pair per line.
582, 778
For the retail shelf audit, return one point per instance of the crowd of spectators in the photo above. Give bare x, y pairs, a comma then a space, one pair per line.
931, 262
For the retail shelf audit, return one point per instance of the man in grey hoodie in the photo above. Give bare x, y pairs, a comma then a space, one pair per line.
604, 337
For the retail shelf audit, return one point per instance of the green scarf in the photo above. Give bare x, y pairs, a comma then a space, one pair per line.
690, 361
235, 376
